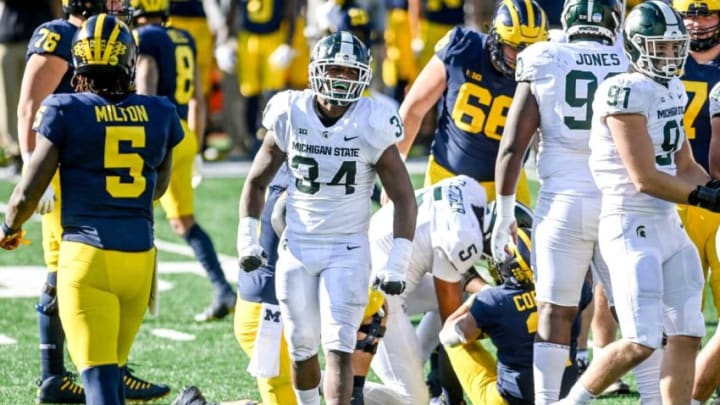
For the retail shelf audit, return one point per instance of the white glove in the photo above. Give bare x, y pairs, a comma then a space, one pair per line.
47, 202
226, 56
250, 254
197, 176
391, 279
451, 335
417, 45
502, 231
282, 56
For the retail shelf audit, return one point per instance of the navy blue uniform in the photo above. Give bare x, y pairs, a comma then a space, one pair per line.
187, 8
443, 12
508, 315
698, 80
135, 135
396, 4
259, 285
174, 52
264, 19
553, 10
473, 109
55, 38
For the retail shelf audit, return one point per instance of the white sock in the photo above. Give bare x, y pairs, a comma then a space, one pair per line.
578, 395
549, 360
695, 402
647, 375
308, 397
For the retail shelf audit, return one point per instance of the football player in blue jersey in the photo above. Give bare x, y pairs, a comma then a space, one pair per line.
264, 49
473, 76
507, 314
167, 66
48, 70
110, 171
702, 72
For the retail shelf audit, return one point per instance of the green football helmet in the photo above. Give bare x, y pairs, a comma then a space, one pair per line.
339, 49
649, 27
592, 19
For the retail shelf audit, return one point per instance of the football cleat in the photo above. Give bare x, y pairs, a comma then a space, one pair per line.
191, 396
60, 389
219, 309
137, 389
619, 387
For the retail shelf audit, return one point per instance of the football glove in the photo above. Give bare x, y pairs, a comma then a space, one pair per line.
13, 241
451, 335
46, 202
197, 176
282, 56
502, 231
251, 255
705, 197
713, 183
391, 279
226, 57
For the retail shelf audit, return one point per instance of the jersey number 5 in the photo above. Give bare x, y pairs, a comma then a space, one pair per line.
133, 162
469, 115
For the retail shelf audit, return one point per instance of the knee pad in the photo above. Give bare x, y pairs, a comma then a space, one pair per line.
373, 332
48, 304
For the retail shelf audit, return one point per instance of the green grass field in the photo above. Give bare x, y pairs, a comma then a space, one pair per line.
213, 360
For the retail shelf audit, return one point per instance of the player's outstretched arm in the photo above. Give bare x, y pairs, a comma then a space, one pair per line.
449, 297
396, 182
422, 96
522, 123
460, 327
252, 200
35, 180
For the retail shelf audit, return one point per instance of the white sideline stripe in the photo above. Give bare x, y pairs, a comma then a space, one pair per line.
27, 281
185, 250
7, 340
172, 334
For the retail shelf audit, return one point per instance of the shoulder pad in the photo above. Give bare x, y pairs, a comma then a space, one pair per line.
536, 61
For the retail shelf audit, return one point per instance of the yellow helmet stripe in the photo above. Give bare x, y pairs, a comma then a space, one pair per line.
109, 45
97, 36
523, 236
529, 9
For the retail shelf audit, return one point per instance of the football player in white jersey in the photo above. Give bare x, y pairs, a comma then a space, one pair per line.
707, 373
448, 241
556, 83
642, 163
335, 142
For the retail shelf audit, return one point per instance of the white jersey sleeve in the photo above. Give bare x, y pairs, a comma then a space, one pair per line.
715, 100
443, 268
387, 129
456, 229
536, 62
624, 94
275, 118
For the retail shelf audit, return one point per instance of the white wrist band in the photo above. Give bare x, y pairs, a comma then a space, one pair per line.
505, 206
399, 257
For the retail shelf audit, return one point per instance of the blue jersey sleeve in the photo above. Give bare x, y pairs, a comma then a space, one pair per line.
52, 38
447, 46
49, 120
483, 309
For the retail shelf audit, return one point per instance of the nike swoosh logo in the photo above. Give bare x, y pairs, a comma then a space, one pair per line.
351, 247
350, 138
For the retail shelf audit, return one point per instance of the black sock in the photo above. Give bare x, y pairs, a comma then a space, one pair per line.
103, 385
357, 394
205, 252
52, 337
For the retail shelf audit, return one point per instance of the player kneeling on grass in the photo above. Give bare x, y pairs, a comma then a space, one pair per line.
507, 314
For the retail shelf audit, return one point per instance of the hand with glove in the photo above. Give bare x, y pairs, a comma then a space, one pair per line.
705, 197
11, 239
46, 202
282, 56
391, 279
251, 255
505, 229
197, 176
226, 57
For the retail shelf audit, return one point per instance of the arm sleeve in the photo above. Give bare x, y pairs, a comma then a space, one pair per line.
275, 118
49, 120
